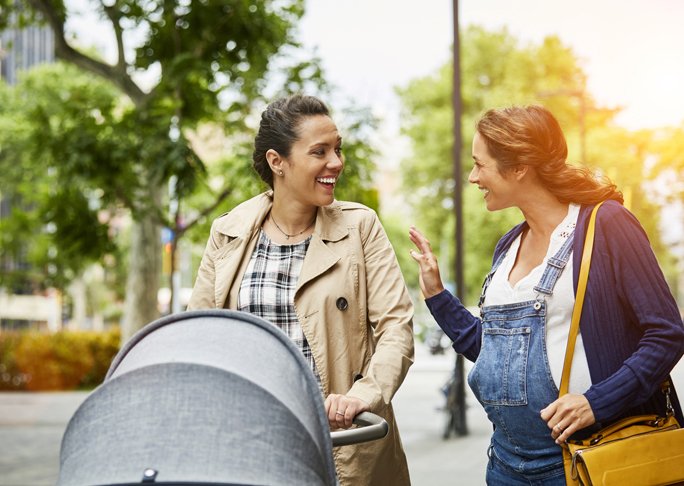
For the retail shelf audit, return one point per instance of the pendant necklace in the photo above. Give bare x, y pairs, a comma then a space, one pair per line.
287, 236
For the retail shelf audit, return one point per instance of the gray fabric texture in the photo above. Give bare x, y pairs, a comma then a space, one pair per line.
203, 396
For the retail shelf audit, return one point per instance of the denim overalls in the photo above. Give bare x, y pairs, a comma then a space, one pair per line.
511, 377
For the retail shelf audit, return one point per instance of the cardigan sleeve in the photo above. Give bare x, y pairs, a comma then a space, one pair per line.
463, 328
648, 305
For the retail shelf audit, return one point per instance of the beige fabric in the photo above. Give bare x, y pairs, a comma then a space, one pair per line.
371, 341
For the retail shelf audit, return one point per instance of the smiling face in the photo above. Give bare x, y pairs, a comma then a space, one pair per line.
499, 190
314, 164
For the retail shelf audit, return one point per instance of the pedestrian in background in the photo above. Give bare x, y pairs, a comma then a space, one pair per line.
325, 273
631, 333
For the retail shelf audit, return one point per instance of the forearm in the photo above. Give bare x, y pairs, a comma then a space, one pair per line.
463, 328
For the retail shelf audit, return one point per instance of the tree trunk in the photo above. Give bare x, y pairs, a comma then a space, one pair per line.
142, 282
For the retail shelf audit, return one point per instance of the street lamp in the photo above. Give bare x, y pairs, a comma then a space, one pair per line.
459, 422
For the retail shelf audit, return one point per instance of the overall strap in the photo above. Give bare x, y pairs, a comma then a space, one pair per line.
554, 267
488, 278
579, 301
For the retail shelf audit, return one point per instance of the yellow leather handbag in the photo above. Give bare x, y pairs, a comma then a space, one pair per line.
644, 450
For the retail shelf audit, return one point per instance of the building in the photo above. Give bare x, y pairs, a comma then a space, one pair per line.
21, 49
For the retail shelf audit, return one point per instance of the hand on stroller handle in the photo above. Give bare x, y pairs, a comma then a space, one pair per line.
370, 427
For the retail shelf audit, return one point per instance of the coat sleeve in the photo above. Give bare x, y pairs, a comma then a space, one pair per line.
390, 315
642, 289
202, 296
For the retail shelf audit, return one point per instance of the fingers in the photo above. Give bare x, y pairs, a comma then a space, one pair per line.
429, 277
419, 240
424, 255
342, 409
567, 415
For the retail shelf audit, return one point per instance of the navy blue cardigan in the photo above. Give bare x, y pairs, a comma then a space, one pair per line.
631, 328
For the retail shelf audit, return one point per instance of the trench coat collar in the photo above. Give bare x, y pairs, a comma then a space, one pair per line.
249, 216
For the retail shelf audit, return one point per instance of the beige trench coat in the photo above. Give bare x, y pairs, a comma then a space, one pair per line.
363, 350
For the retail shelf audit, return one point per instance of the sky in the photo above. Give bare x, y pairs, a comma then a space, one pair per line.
632, 50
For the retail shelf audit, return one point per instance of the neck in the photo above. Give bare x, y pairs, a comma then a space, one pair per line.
544, 214
292, 221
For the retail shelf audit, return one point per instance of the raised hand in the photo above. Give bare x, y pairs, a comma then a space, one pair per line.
429, 278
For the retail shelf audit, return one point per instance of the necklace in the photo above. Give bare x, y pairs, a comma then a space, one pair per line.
287, 236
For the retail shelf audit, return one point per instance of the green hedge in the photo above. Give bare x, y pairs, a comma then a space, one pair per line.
66, 360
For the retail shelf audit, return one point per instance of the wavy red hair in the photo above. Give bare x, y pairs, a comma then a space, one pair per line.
531, 135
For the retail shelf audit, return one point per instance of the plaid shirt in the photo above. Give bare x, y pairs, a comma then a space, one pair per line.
268, 288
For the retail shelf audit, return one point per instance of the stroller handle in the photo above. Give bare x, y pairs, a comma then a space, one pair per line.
370, 427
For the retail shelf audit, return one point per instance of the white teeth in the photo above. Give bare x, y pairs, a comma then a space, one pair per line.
326, 180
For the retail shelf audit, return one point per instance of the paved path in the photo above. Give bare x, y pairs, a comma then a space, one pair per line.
32, 424
31, 428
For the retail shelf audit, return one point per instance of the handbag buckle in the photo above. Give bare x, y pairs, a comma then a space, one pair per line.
573, 469
665, 388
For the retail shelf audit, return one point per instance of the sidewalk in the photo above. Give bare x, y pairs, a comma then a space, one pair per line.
432, 460
31, 428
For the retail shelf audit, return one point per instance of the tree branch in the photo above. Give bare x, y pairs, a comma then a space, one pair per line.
114, 18
219, 199
67, 53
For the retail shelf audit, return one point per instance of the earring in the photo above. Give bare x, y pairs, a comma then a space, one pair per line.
280, 172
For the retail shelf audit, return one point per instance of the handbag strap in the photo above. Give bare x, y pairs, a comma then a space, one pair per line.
579, 301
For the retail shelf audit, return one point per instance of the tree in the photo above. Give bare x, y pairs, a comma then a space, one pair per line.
211, 61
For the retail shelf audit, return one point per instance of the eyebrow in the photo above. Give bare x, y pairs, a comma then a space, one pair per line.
326, 144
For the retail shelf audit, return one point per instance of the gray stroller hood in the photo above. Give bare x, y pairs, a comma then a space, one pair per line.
213, 397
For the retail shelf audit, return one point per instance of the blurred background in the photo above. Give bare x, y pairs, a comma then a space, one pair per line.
126, 127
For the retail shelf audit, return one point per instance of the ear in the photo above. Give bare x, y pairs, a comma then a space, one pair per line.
275, 161
520, 171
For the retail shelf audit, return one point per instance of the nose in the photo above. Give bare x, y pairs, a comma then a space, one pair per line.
472, 177
336, 162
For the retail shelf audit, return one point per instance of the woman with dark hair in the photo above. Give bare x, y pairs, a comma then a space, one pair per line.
631, 334
325, 273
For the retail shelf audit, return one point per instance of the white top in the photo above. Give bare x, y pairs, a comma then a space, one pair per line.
558, 306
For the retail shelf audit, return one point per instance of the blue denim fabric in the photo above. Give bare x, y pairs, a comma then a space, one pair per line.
512, 379
498, 474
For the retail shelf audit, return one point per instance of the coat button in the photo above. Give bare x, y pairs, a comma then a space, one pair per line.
342, 304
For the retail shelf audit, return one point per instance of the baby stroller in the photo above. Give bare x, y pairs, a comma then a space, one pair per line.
206, 397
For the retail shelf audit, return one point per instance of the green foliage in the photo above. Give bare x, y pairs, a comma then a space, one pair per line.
357, 127
65, 360
55, 158
668, 144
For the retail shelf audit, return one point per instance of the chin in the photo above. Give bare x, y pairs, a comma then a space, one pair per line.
326, 200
